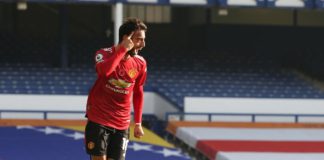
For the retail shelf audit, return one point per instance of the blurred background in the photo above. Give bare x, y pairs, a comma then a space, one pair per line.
235, 68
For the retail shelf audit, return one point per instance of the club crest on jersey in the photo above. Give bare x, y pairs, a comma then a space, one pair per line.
132, 73
99, 58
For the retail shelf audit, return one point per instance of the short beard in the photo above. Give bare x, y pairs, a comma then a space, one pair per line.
132, 52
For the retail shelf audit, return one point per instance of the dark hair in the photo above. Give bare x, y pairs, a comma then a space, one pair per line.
130, 25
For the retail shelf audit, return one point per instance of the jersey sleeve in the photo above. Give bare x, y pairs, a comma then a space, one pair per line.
140, 80
138, 96
106, 60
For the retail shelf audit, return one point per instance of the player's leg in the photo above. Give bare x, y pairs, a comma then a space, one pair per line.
98, 158
96, 141
118, 145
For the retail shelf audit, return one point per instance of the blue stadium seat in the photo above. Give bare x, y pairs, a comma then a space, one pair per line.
319, 4
183, 76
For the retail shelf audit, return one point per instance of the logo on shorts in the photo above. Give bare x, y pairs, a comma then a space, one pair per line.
91, 145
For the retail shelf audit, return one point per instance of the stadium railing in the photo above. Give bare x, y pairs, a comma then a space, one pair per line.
223, 3
249, 117
40, 114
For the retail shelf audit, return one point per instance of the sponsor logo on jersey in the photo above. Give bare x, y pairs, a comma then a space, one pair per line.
117, 90
119, 83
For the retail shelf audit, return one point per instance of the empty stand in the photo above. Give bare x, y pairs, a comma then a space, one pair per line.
172, 73
39, 80
197, 75
174, 77
319, 3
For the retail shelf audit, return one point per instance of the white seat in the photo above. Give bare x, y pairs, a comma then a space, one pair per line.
289, 3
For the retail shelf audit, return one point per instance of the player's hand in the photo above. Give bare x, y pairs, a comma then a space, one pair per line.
127, 41
138, 131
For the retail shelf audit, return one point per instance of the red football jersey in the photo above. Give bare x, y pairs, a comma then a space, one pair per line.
119, 80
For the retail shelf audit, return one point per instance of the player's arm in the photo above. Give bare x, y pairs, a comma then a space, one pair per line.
138, 99
106, 64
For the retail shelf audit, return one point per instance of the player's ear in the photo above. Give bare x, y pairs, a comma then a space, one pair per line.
125, 36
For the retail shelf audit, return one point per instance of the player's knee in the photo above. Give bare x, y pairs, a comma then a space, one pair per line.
98, 158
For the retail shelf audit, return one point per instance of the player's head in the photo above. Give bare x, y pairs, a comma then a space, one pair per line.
138, 27
129, 26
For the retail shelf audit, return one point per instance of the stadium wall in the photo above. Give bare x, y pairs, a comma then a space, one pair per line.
254, 105
153, 104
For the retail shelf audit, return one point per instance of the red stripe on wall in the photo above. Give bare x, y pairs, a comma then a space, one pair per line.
211, 147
